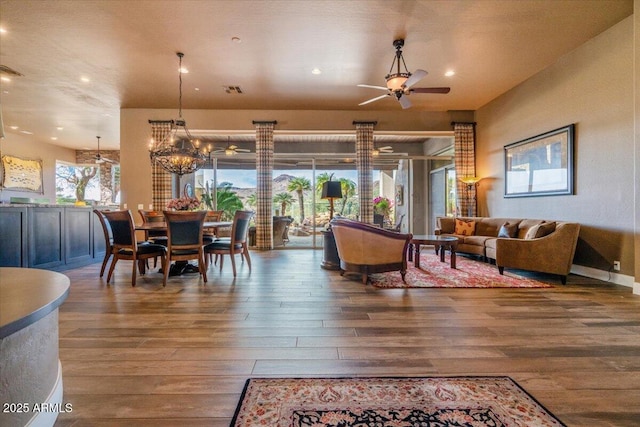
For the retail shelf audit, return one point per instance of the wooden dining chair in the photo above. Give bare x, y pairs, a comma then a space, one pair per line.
237, 244
211, 233
155, 236
185, 232
108, 240
125, 245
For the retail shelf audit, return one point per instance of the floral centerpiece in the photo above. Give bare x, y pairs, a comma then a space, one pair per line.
184, 204
382, 206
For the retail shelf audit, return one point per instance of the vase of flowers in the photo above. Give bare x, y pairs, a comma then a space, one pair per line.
382, 206
184, 204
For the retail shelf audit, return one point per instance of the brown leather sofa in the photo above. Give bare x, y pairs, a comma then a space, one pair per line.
552, 253
366, 249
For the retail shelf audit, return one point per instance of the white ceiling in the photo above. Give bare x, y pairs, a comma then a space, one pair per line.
128, 51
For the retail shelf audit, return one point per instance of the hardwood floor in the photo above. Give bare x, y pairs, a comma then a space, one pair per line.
154, 356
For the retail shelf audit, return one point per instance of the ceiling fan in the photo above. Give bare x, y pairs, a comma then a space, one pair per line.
98, 157
399, 84
382, 150
231, 150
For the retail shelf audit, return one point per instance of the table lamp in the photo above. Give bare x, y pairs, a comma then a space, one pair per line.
331, 190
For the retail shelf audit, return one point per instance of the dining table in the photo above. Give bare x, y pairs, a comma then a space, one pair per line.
162, 226
181, 267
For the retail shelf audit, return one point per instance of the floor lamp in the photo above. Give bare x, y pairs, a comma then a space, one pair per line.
470, 181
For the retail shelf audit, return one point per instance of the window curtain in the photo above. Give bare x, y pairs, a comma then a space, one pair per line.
264, 182
161, 189
364, 164
465, 162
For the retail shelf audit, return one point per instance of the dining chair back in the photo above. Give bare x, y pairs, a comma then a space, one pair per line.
185, 234
237, 244
125, 245
155, 236
108, 239
210, 233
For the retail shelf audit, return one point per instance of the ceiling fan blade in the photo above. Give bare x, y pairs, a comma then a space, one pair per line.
386, 147
232, 147
404, 101
242, 150
430, 90
374, 87
374, 99
415, 77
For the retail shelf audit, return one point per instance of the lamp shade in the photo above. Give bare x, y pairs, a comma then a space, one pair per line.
331, 190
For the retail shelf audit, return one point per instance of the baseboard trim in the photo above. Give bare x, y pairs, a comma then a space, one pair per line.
607, 276
48, 418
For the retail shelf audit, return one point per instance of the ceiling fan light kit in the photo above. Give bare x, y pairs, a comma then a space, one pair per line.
178, 152
400, 82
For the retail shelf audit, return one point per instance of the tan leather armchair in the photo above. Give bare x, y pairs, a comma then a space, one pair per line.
367, 249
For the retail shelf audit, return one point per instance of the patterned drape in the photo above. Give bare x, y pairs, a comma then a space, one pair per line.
264, 196
364, 164
160, 179
465, 161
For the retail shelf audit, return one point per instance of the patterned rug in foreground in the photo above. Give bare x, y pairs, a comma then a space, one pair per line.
467, 274
392, 402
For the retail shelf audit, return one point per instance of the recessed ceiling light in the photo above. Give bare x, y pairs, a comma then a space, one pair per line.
85, 79
13, 127
54, 138
60, 128
26, 132
5, 79
196, 89
316, 71
450, 73
3, 30
236, 39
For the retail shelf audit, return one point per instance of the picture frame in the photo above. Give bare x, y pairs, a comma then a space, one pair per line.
20, 174
399, 196
541, 165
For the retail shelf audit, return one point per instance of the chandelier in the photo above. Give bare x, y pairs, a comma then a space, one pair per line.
178, 152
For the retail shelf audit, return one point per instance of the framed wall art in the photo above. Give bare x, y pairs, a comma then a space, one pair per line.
21, 174
541, 165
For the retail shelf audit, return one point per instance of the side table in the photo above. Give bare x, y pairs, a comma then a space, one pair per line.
441, 244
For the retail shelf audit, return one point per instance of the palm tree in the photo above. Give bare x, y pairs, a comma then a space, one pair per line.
348, 191
285, 199
252, 200
227, 200
299, 184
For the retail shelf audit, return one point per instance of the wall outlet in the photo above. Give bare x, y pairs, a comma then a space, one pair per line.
616, 265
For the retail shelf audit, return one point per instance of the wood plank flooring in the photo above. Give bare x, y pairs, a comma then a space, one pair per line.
180, 355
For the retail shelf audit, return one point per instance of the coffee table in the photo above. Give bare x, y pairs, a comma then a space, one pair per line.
441, 243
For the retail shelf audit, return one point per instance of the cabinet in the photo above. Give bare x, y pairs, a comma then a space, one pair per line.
49, 237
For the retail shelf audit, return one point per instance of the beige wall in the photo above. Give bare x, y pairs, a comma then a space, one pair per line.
592, 87
636, 34
28, 147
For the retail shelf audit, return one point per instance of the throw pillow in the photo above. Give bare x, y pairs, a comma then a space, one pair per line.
540, 230
465, 227
531, 232
508, 230
545, 229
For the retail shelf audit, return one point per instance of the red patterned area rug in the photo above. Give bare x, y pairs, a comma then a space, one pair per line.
467, 274
389, 402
